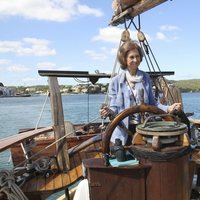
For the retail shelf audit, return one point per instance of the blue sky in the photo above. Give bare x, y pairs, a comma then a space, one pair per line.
75, 35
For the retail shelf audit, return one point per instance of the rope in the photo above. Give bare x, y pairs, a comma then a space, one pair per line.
171, 93
53, 143
125, 36
40, 116
41, 164
160, 156
139, 24
112, 74
81, 81
147, 49
9, 187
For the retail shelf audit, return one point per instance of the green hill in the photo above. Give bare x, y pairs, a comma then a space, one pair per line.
188, 85
192, 85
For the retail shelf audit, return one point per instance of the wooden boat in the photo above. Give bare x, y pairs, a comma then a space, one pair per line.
17, 95
84, 141
56, 162
76, 143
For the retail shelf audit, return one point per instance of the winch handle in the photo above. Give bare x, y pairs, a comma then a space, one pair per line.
176, 121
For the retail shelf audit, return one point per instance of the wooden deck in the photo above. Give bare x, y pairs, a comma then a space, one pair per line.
40, 187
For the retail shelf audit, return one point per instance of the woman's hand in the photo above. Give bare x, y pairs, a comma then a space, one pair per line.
176, 107
106, 112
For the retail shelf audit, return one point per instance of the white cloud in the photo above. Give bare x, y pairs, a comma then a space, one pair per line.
50, 10
50, 66
4, 62
9, 46
30, 79
84, 9
17, 68
65, 68
161, 36
46, 65
95, 56
27, 47
113, 35
113, 51
168, 28
109, 35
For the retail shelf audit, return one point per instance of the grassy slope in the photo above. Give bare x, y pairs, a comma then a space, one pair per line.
188, 85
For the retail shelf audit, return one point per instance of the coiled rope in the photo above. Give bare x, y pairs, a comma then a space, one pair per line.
42, 164
160, 156
9, 187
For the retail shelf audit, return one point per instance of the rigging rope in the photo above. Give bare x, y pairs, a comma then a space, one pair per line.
150, 61
40, 116
149, 55
124, 37
81, 81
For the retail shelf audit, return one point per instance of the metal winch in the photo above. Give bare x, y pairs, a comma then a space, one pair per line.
161, 134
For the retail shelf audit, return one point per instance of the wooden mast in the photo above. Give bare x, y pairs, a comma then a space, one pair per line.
58, 120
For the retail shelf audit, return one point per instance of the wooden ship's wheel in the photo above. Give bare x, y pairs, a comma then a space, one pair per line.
161, 133
164, 170
127, 112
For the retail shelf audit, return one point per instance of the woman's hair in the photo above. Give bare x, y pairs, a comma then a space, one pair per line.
125, 48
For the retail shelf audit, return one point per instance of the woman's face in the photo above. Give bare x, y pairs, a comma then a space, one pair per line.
133, 61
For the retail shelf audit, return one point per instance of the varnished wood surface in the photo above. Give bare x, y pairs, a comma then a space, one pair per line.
59, 181
75, 143
135, 10
169, 180
195, 121
115, 183
100, 163
6, 143
58, 123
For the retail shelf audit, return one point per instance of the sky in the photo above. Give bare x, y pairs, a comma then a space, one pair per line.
76, 35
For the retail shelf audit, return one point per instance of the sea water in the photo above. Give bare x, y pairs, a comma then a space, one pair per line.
35, 111
28, 112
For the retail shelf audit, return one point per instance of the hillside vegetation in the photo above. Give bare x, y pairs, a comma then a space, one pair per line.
192, 85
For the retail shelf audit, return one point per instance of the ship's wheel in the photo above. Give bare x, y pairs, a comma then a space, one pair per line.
143, 108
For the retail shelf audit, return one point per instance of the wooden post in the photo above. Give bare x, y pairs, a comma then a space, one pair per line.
58, 120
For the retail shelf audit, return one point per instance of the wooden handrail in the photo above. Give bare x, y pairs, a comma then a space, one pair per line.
7, 142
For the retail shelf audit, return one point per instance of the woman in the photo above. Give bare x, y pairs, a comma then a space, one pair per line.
131, 87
